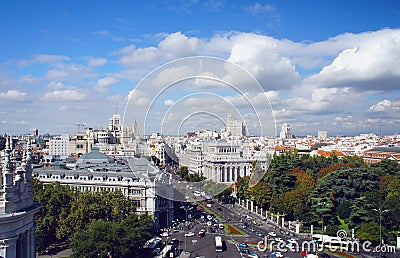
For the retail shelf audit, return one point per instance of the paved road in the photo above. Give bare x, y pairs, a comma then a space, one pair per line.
205, 247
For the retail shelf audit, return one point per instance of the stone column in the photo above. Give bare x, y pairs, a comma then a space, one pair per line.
312, 229
283, 221
256, 209
11, 247
261, 211
289, 224
272, 217
277, 219
252, 205
398, 242
297, 228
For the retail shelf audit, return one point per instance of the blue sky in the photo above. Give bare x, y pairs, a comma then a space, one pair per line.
67, 62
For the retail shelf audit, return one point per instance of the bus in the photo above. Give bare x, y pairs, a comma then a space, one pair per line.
218, 244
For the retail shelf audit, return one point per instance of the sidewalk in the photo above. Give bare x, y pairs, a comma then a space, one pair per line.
62, 254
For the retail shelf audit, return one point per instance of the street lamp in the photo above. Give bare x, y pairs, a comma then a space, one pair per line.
322, 218
380, 229
186, 208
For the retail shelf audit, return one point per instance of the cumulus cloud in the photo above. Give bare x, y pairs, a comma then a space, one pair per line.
381, 106
65, 95
105, 83
371, 64
70, 72
175, 45
44, 59
169, 102
97, 61
14, 95
258, 8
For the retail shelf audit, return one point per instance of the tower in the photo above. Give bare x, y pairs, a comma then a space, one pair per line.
286, 132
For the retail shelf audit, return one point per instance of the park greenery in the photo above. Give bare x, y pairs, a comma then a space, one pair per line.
342, 193
93, 224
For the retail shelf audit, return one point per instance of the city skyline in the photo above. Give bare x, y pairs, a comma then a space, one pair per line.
323, 66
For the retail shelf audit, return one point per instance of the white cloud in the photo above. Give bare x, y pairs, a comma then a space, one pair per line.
14, 95
381, 106
97, 61
347, 118
72, 72
370, 64
105, 83
44, 59
258, 8
65, 95
169, 102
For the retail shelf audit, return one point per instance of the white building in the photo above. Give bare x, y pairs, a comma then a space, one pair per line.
286, 132
322, 134
236, 128
59, 147
224, 162
145, 185
17, 208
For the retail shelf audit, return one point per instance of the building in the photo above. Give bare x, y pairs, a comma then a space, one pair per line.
235, 128
78, 144
286, 132
322, 135
224, 162
17, 229
139, 180
382, 153
59, 147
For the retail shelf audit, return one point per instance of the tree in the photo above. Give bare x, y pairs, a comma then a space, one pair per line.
261, 193
183, 172
56, 201
369, 231
117, 238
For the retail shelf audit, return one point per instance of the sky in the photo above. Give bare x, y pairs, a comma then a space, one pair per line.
317, 65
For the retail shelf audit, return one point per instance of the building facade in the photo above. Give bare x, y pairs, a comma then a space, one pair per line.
17, 229
139, 180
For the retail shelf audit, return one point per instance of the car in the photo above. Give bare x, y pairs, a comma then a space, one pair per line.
203, 230
244, 251
164, 234
292, 240
201, 234
291, 246
209, 223
209, 205
219, 208
278, 239
252, 229
242, 245
221, 226
273, 234
253, 255
189, 234
278, 254
259, 234
209, 217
